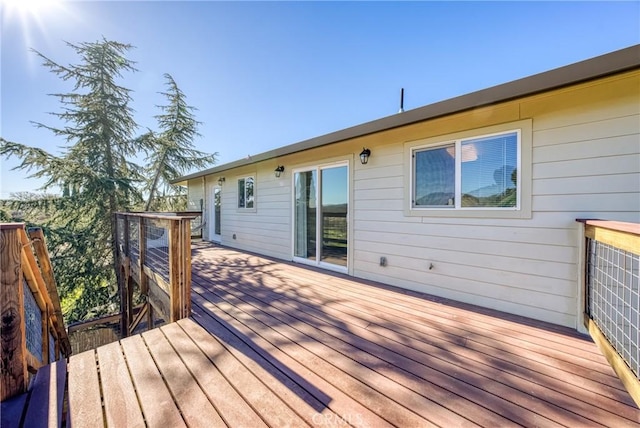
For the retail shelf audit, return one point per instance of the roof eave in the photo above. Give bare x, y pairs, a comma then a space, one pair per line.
590, 69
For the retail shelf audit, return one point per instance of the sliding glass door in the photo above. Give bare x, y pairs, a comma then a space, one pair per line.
321, 216
215, 233
306, 183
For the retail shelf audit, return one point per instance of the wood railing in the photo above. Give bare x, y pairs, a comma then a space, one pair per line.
612, 296
33, 332
197, 222
154, 267
93, 333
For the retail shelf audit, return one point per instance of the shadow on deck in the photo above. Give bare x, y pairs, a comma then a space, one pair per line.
275, 344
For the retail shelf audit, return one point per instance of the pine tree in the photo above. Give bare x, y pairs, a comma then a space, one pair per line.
173, 154
93, 171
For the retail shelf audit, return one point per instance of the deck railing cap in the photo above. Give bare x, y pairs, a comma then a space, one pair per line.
620, 226
9, 226
162, 216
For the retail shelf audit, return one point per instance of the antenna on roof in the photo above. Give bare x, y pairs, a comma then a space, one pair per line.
401, 101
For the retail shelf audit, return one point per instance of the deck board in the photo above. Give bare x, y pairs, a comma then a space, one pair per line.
308, 393
471, 361
495, 365
457, 333
194, 405
47, 396
373, 369
158, 406
121, 405
273, 344
273, 410
414, 371
12, 411
230, 405
464, 383
294, 346
84, 391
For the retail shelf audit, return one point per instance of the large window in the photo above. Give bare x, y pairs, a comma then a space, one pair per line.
246, 192
468, 173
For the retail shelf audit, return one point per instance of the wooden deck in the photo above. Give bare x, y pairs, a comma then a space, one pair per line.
276, 344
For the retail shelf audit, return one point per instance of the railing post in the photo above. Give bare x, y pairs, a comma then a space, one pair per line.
44, 261
45, 314
179, 268
144, 280
13, 364
142, 255
122, 285
186, 266
174, 270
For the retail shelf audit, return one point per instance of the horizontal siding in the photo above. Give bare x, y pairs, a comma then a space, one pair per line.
539, 220
612, 98
611, 146
441, 277
423, 259
384, 241
591, 184
381, 172
393, 182
585, 164
625, 164
266, 229
503, 233
195, 194
628, 202
473, 293
596, 130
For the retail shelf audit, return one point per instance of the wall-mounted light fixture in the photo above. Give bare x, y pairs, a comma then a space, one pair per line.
279, 170
221, 180
364, 156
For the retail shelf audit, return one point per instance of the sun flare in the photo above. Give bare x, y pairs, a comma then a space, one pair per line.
26, 8
23, 21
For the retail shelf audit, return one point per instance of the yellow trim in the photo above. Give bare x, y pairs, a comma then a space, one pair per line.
626, 375
617, 238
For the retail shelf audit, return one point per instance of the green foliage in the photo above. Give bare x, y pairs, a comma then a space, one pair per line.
173, 153
85, 283
94, 172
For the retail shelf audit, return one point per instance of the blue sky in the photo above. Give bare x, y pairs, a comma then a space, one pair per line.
269, 74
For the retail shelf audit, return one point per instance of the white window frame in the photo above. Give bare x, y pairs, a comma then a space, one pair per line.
523, 200
244, 208
318, 167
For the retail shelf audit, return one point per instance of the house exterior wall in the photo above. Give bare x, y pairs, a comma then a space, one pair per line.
195, 193
583, 157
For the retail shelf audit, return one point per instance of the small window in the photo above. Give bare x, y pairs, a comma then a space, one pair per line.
470, 173
245, 192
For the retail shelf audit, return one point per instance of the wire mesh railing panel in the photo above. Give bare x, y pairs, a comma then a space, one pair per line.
33, 322
196, 227
613, 284
157, 320
52, 348
94, 337
156, 245
134, 240
120, 241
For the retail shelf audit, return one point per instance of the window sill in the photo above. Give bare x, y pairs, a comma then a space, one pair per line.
468, 213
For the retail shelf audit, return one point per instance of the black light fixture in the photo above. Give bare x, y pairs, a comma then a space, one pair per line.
220, 181
364, 156
279, 170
